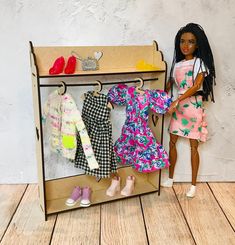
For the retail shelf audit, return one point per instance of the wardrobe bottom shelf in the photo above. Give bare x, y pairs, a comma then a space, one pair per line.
98, 197
58, 190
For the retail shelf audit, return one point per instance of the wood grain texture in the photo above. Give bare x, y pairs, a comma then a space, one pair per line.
225, 195
28, 225
9, 200
204, 216
164, 219
78, 227
122, 223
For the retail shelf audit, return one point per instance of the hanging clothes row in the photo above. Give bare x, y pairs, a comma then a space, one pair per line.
136, 146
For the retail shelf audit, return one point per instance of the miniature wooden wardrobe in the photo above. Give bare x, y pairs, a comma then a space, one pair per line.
117, 60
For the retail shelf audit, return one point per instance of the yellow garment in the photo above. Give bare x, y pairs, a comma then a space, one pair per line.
142, 65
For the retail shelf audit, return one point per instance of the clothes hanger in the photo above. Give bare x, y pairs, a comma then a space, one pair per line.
62, 88
139, 87
98, 88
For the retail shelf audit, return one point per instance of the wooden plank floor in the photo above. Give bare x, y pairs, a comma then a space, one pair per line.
170, 218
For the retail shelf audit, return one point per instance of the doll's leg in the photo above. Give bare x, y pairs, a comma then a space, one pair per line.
195, 165
173, 159
194, 160
172, 154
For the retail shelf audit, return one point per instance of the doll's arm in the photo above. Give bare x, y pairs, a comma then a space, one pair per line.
169, 84
191, 91
197, 85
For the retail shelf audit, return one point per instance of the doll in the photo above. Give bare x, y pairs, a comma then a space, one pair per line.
193, 72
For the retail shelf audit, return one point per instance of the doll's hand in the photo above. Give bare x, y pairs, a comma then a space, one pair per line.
173, 106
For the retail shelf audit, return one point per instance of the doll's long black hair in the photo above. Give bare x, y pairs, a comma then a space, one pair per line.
203, 52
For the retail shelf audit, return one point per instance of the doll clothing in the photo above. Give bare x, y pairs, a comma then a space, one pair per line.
189, 118
64, 120
137, 145
96, 116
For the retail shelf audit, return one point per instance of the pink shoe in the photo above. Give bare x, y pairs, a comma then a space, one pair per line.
75, 196
86, 197
114, 187
129, 187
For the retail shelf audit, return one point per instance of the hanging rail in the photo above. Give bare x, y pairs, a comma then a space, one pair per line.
92, 84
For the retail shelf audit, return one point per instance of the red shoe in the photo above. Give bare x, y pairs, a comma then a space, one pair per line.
58, 66
71, 65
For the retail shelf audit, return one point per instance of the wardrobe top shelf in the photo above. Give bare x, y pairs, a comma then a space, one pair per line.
44, 74
115, 59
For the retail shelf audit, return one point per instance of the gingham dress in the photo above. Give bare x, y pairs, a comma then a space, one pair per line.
96, 116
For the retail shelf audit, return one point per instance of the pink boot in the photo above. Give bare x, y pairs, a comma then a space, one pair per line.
129, 187
86, 197
114, 187
75, 196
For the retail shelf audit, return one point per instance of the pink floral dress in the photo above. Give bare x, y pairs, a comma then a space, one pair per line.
189, 118
137, 145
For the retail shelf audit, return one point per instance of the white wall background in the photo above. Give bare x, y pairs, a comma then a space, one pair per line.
117, 22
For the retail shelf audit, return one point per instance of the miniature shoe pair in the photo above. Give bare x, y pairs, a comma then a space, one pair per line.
78, 193
191, 193
59, 64
115, 186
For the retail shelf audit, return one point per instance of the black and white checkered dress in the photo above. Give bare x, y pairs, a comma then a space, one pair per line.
96, 116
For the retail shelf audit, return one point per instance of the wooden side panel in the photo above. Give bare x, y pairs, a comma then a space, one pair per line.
28, 225
204, 216
156, 119
164, 220
153, 178
38, 133
122, 223
158, 57
9, 199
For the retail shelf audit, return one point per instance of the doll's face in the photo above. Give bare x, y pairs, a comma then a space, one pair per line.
188, 45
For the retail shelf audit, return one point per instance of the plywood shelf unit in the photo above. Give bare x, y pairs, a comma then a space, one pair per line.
116, 60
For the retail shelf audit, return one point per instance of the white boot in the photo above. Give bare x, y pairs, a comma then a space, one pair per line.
167, 183
192, 191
